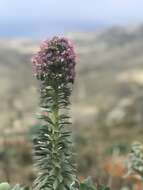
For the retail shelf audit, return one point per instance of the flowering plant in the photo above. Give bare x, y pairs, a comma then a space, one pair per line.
54, 67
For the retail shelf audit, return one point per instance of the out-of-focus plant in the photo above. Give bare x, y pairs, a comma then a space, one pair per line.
88, 184
135, 164
6, 186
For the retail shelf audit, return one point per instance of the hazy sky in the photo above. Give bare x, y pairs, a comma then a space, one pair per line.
109, 11
41, 18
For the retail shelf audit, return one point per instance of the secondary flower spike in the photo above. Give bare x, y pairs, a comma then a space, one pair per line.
55, 59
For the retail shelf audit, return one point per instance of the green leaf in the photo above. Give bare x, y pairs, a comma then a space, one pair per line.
87, 184
4, 186
18, 187
60, 178
104, 188
55, 184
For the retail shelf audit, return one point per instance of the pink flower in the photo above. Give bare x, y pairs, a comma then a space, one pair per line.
56, 58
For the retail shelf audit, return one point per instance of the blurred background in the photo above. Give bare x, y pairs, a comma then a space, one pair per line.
107, 102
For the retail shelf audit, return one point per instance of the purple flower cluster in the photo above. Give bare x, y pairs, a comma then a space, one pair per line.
55, 58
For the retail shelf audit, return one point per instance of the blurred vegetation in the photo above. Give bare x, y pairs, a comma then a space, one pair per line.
107, 105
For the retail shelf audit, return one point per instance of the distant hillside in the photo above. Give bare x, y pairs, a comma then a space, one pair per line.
110, 64
43, 28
